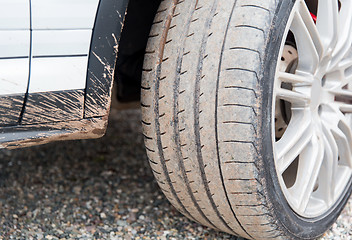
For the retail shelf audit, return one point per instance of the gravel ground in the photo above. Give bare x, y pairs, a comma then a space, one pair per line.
97, 189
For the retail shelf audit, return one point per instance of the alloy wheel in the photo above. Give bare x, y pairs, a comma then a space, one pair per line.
313, 107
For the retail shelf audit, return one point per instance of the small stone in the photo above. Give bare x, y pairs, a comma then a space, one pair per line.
30, 196
135, 210
132, 217
77, 189
89, 204
103, 215
121, 223
40, 236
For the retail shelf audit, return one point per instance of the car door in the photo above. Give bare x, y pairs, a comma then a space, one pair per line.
14, 58
61, 37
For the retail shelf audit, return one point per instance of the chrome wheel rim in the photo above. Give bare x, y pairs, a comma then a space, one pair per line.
312, 105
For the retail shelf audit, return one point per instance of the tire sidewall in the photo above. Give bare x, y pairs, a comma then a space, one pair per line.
290, 222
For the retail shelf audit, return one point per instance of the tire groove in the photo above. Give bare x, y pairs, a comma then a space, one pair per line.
157, 114
196, 108
246, 70
249, 26
240, 105
255, 6
244, 123
238, 141
176, 113
244, 88
248, 49
216, 120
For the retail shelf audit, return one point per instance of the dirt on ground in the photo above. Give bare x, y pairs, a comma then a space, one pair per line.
96, 189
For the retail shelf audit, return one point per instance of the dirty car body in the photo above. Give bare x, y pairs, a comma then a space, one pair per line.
57, 64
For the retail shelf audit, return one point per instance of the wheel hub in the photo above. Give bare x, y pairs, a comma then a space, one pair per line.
317, 95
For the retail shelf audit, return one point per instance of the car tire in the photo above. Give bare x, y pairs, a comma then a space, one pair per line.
209, 111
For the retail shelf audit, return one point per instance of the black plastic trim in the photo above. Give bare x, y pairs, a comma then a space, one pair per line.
36, 134
102, 58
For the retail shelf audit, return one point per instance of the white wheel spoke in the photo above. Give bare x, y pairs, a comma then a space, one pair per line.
308, 171
329, 167
295, 78
342, 93
344, 37
345, 63
344, 107
306, 35
341, 130
293, 97
327, 20
294, 140
343, 140
340, 72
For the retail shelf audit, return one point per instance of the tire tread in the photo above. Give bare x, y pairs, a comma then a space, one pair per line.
222, 194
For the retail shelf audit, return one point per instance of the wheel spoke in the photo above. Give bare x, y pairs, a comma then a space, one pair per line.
328, 172
344, 140
344, 38
295, 78
293, 97
344, 107
327, 20
340, 128
345, 64
307, 37
294, 140
309, 168
342, 93
342, 72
